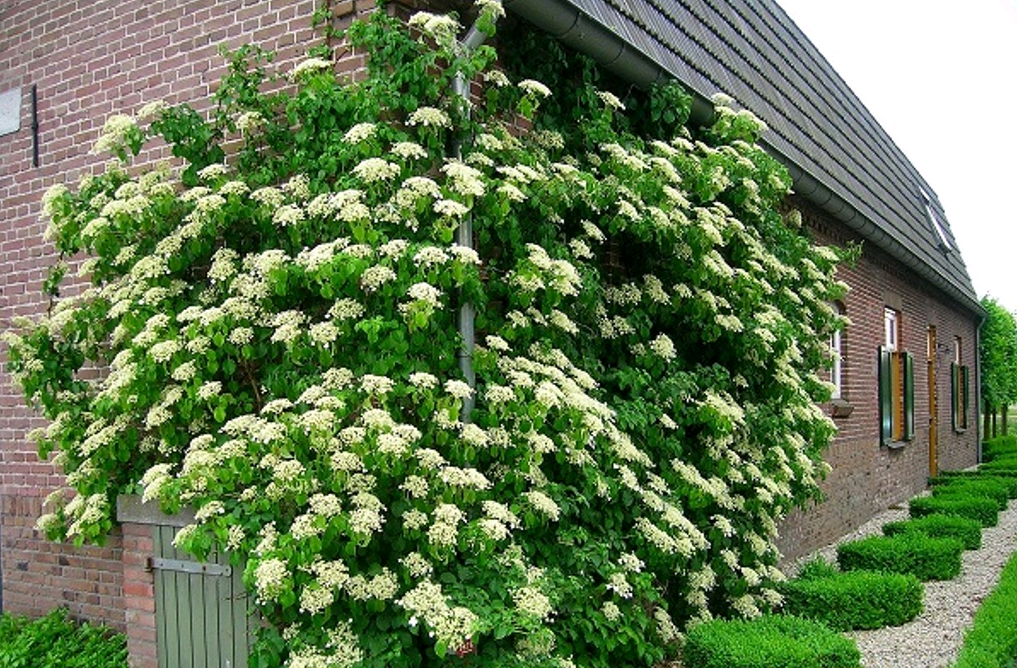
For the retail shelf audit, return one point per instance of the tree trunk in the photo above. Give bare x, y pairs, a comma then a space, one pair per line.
994, 414
1006, 409
986, 412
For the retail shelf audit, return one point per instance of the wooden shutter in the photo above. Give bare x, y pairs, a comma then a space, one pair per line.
885, 396
954, 417
909, 396
964, 396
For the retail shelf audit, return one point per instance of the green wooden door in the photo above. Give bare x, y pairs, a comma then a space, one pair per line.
201, 610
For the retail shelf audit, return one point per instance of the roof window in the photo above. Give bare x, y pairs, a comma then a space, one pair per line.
937, 222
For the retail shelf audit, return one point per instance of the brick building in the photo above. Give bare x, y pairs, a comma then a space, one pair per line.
908, 377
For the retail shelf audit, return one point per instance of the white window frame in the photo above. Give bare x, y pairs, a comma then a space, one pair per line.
891, 328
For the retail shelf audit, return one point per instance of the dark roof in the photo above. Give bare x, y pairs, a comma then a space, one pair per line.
838, 154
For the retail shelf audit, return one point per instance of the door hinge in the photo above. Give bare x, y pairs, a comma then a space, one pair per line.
181, 566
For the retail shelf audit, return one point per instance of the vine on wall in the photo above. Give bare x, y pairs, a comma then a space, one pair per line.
276, 311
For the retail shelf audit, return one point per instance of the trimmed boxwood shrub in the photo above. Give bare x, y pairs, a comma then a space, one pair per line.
850, 600
976, 488
1008, 463
771, 641
924, 557
986, 511
1006, 478
964, 529
999, 447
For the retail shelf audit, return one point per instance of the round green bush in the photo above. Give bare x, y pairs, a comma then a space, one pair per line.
986, 511
966, 530
850, 600
922, 556
771, 641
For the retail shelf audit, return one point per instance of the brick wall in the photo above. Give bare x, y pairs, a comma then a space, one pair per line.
867, 477
90, 59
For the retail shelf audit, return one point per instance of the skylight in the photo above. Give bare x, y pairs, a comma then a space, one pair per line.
937, 222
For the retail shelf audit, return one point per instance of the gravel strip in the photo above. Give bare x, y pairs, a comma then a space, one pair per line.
933, 639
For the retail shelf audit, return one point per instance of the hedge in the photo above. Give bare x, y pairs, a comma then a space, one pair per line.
999, 447
850, 600
964, 529
924, 557
976, 488
986, 511
771, 641
1005, 478
1008, 464
991, 642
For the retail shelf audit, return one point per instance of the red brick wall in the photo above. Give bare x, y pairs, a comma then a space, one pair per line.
90, 60
867, 477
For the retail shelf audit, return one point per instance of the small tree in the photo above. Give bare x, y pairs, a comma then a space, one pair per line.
998, 355
279, 334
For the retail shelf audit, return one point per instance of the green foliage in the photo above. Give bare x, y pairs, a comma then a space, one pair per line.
1005, 464
854, 599
1008, 480
54, 641
924, 557
985, 511
991, 642
975, 488
275, 314
771, 641
964, 529
1000, 447
998, 355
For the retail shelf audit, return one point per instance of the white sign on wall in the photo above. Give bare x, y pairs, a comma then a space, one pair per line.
10, 111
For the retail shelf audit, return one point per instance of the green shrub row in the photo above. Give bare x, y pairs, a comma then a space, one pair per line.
1004, 464
964, 529
1006, 478
925, 557
999, 447
991, 642
771, 641
54, 641
850, 600
979, 488
986, 511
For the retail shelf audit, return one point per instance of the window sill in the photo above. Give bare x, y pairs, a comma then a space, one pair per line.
841, 408
896, 445
959, 431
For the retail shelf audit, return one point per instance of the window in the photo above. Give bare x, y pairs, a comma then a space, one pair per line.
837, 350
959, 382
835, 370
937, 222
896, 384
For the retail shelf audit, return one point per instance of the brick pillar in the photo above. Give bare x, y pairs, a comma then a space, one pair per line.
139, 596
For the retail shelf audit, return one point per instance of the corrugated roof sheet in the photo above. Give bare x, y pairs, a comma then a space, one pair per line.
753, 52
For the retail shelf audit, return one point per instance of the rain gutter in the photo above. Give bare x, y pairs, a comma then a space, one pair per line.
464, 234
577, 29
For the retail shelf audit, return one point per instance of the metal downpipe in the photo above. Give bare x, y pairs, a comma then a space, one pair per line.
464, 236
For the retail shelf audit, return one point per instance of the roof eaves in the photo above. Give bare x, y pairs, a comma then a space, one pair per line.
583, 25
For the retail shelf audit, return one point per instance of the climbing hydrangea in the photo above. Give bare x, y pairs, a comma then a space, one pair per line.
276, 317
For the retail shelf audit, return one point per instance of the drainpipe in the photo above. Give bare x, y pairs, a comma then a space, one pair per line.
978, 389
464, 234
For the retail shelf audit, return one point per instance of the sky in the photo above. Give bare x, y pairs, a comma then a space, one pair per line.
940, 76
